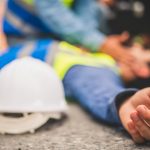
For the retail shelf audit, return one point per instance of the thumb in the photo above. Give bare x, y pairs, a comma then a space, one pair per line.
124, 37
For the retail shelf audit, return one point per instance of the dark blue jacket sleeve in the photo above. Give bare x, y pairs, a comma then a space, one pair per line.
36, 49
99, 90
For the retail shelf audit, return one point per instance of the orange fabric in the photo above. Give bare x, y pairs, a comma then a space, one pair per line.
3, 41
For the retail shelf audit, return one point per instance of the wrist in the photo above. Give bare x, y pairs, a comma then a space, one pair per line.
125, 111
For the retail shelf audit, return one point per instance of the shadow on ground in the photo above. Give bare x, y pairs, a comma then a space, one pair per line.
78, 132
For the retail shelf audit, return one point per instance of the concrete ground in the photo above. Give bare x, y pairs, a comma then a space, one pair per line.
78, 132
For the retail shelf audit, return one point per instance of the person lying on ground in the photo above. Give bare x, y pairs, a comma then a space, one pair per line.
96, 82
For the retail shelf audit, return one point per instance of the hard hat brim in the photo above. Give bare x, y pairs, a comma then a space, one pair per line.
27, 123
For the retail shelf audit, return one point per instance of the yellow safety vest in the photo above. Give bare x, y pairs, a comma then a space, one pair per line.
69, 56
67, 3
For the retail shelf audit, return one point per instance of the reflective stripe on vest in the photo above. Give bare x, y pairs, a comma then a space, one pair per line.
67, 3
69, 55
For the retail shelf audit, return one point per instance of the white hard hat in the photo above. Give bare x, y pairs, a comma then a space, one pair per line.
31, 87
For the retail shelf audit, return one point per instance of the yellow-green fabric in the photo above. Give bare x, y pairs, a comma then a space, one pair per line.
67, 3
29, 2
70, 55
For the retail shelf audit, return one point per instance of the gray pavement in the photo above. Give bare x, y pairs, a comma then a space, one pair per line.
78, 132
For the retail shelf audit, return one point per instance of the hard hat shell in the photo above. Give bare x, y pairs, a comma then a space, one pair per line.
30, 85
32, 88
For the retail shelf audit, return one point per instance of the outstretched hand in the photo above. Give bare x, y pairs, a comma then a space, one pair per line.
134, 59
113, 47
135, 115
141, 67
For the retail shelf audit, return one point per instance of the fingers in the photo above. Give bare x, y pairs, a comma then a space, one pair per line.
134, 133
146, 56
140, 53
126, 58
142, 128
124, 37
138, 68
126, 72
141, 69
144, 113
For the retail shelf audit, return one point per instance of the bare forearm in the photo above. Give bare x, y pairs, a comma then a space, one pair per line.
72, 29
3, 42
2, 10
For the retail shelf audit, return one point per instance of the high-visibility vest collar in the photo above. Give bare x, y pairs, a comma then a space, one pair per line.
69, 56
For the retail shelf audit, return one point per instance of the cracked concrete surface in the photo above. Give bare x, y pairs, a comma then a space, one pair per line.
78, 132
